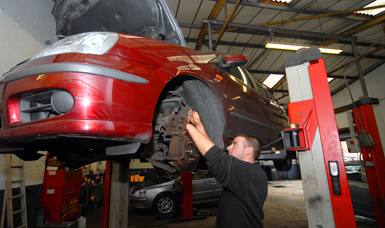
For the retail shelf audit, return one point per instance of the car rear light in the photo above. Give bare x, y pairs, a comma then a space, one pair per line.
45, 105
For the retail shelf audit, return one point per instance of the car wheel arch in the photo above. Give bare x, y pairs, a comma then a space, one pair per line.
199, 95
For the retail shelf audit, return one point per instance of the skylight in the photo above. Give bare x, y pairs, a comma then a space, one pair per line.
374, 11
272, 80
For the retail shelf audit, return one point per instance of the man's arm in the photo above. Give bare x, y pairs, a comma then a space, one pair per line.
198, 134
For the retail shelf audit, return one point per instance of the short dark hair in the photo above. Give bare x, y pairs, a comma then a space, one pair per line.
254, 142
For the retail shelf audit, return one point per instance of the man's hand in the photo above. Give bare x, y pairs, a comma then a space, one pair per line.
196, 120
198, 133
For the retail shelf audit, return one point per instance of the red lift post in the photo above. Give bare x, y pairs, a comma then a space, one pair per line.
187, 199
373, 156
325, 184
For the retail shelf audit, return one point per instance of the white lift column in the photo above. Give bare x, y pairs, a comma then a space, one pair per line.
312, 108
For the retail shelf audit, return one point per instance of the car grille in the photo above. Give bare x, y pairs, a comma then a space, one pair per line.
45, 105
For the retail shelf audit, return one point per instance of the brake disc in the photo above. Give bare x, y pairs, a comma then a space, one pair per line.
183, 148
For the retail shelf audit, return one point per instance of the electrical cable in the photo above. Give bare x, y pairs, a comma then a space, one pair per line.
271, 143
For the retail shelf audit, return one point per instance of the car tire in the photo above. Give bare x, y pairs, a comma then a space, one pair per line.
163, 203
283, 164
200, 97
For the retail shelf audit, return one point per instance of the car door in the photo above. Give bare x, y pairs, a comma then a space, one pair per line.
201, 187
246, 106
216, 187
276, 115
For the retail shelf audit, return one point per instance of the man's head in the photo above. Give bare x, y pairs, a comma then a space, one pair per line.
245, 147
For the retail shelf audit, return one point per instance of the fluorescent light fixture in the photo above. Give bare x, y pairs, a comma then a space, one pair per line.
295, 47
272, 80
285, 1
373, 11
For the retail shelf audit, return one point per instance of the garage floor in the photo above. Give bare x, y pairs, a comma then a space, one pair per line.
284, 208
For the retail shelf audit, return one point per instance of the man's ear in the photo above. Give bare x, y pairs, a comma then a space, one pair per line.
249, 150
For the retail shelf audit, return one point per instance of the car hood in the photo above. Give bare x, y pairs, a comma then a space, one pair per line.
149, 18
154, 183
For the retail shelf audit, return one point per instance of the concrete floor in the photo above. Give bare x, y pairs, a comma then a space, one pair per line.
284, 208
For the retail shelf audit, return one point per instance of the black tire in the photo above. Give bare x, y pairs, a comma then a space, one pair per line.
283, 164
200, 97
163, 203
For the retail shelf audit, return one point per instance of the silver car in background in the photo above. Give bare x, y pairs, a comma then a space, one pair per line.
359, 189
159, 195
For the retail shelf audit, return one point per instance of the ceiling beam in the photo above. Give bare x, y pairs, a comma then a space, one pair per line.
358, 59
230, 18
354, 80
309, 17
290, 9
248, 45
213, 15
282, 72
311, 38
279, 31
356, 29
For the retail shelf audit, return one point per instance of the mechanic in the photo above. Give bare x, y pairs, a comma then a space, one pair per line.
245, 183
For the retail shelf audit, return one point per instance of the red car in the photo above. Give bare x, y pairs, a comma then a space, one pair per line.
94, 95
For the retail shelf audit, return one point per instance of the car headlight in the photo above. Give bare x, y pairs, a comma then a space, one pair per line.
139, 193
97, 43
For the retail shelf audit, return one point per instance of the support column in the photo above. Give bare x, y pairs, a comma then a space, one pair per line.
373, 157
210, 36
326, 190
115, 207
187, 199
359, 69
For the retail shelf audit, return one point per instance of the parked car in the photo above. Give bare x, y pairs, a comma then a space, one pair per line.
101, 95
159, 195
359, 189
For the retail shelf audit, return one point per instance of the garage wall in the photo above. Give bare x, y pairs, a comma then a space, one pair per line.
375, 84
24, 26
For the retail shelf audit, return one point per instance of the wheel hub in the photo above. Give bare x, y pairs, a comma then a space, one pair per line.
183, 148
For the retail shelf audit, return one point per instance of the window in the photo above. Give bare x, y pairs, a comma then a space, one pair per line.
240, 74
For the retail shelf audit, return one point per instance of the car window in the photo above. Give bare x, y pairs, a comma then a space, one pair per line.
260, 87
199, 174
202, 174
240, 74
354, 171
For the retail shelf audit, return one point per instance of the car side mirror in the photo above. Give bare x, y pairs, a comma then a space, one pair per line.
235, 60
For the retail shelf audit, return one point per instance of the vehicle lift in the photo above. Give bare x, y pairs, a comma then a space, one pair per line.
324, 180
325, 184
314, 135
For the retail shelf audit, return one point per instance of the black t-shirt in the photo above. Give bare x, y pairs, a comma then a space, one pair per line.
244, 190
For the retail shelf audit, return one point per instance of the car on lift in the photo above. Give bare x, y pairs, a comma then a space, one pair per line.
124, 92
359, 189
161, 195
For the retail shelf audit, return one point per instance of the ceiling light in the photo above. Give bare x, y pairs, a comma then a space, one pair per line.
272, 80
295, 47
373, 11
